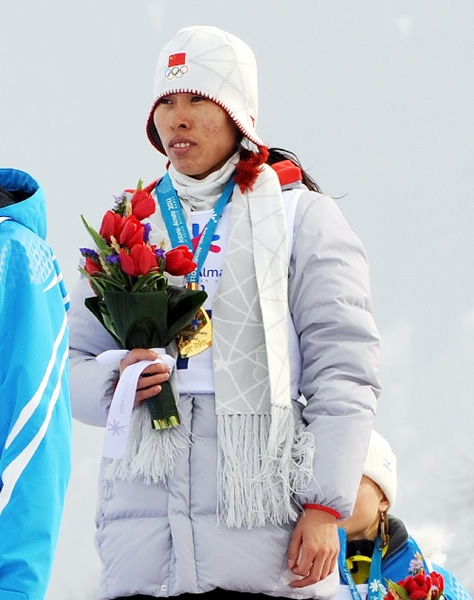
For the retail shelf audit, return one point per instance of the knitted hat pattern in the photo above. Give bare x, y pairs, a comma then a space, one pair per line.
215, 64
381, 466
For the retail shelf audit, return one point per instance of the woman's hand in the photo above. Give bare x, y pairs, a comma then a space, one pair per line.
148, 384
314, 547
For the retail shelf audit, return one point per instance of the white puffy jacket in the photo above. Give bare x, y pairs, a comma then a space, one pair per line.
164, 540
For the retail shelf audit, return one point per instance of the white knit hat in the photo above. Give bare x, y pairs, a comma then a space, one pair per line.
381, 466
208, 61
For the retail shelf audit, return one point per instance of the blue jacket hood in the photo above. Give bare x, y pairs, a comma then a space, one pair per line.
30, 212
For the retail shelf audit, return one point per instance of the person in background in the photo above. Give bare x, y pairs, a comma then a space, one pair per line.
276, 414
375, 545
35, 416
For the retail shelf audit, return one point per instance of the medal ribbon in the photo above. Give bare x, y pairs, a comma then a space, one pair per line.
176, 225
375, 573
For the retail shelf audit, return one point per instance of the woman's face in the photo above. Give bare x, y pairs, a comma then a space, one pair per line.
198, 136
364, 522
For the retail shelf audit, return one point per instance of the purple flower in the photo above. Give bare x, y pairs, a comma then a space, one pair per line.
120, 204
146, 232
118, 199
113, 259
416, 565
89, 253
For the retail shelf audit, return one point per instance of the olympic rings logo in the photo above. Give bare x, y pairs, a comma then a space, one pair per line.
176, 72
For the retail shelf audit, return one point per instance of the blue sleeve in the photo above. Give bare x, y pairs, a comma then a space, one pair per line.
453, 589
35, 419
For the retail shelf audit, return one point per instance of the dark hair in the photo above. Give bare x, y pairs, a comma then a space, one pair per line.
278, 154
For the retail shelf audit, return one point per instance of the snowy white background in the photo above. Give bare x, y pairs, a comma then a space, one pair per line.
376, 98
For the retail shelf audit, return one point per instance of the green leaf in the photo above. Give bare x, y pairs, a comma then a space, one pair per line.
140, 319
401, 591
183, 304
101, 244
154, 281
94, 305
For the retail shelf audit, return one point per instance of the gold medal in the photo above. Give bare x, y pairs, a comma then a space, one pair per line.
197, 336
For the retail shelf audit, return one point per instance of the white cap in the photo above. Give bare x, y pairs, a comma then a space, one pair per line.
213, 63
381, 466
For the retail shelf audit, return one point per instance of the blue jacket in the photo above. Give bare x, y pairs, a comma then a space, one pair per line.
35, 420
401, 552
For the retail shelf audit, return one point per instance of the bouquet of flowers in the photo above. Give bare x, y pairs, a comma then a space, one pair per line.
133, 299
418, 585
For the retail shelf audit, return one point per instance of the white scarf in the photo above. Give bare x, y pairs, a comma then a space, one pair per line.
202, 194
263, 459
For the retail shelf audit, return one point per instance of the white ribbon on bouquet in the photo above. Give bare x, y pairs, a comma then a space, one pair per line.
120, 411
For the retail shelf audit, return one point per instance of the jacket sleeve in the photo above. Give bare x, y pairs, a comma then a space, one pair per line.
453, 588
92, 385
330, 303
35, 419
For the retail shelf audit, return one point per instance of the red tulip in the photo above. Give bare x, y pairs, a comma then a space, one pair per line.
179, 261
140, 261
143, 205
91, 266
111, 225
437, 581
418, 586
132, 232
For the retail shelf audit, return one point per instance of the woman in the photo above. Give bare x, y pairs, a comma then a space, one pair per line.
276, 414
375, 546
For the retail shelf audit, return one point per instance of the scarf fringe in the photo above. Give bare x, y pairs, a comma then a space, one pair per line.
254, 487
151, 453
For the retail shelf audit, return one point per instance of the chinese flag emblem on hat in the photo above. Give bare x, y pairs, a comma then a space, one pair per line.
177, 59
